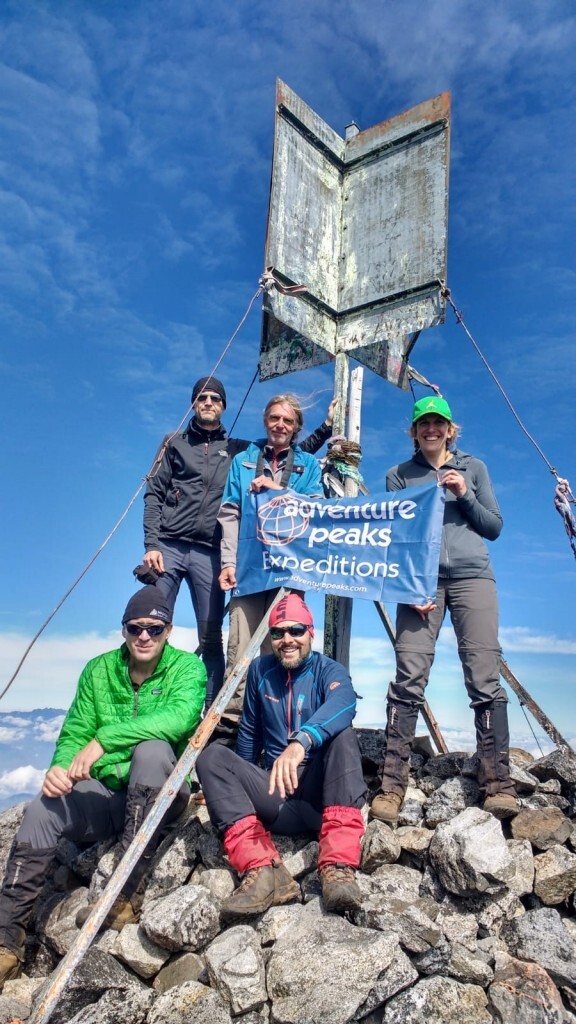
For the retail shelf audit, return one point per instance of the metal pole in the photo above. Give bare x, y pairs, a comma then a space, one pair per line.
425, 710
338, 610
163, 801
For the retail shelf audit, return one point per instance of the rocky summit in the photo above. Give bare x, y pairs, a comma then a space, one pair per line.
464, 919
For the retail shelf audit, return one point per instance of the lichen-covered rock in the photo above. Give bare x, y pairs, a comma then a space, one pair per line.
398, 975
221, 882
524, 992
10, 821
302, 860
186, 967
521, 852
96, 975
380, 846
439, 1000
559, 764
555, 875
452, 797
133, 947
416, 931
540, 937
464, 965
187, 918
190, 1002
470, 854
56, 919
324, 969
12, 1010
236, 968
114, 1008
397, 882
174, 860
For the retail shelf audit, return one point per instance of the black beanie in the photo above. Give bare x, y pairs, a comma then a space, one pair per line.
209, 384
147, 603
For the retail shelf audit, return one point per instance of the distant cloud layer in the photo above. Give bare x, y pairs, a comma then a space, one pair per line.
22, 781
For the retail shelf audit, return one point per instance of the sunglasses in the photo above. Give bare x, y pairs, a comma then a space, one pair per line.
215, 399
277, 632
135, 629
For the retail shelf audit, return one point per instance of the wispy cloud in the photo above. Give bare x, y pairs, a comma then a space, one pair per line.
21, 781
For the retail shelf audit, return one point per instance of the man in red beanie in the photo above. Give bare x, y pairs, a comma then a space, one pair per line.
298, 712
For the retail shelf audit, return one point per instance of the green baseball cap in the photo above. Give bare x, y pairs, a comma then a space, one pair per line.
431, 405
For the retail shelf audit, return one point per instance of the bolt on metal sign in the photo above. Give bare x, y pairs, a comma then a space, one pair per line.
362, 223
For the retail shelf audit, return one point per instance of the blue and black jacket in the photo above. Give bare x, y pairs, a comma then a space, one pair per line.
312, 704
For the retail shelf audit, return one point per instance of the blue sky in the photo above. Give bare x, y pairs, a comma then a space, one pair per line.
134, 180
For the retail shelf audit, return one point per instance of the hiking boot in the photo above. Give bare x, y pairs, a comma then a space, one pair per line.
10, 966
121, 912
386, 807
501, 805
340, 891
260, 889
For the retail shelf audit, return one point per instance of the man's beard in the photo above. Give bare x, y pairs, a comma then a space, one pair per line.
286, 661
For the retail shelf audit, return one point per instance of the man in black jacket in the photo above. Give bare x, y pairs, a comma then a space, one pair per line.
181, 532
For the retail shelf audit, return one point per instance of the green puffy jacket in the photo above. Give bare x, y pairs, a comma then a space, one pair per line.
109, 708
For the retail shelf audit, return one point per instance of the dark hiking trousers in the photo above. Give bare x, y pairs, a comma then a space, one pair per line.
90, 812
235, 788
199, 565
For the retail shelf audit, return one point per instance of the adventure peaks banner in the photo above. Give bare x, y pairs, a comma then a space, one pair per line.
386, 548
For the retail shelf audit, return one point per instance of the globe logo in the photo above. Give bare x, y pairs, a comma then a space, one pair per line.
281, 521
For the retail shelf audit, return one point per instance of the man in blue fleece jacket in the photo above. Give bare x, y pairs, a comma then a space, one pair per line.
298, 712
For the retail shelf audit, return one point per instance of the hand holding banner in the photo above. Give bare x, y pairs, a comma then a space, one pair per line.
386, 548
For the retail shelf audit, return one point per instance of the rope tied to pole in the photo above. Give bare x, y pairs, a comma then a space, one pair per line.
342, 460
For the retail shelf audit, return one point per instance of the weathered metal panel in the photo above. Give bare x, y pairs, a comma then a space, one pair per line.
361, 223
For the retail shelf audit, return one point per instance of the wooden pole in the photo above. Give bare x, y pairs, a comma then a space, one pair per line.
165, 798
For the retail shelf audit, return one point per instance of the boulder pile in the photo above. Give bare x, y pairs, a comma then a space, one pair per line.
464, 918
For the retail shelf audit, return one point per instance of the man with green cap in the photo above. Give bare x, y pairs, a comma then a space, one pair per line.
467, 589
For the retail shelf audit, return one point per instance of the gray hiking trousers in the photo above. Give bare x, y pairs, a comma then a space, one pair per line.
473, 607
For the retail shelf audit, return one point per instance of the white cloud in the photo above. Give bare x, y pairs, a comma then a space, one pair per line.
8, 735
21, 780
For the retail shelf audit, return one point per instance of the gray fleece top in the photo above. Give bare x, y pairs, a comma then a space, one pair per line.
467, 520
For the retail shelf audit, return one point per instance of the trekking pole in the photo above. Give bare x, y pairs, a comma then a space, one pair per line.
165, 798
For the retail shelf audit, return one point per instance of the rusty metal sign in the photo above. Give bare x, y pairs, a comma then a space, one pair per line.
362, 223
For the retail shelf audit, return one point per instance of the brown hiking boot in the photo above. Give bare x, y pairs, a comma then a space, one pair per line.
260, 889
501, 805
340, 891
10, 966
121, 912
386, 807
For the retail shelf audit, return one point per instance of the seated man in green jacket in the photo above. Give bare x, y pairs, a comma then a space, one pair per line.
130, 720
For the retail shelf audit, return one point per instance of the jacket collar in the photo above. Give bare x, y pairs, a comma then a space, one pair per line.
197, 433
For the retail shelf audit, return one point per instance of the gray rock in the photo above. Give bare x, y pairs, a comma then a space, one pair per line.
544, 828
187, 967
134, 948
113, 1008
189, 1002
305, 976
560, 765
106, 866
459, 927
96, 975
187, 918
276, 920
467, 966
236, 968
412, 810
302, 861
371, 743
524, 992
399, 975
56, 919
446, 766
552, 786
540, 937
416, 931
10, 821
221, 882
210, 849
555, 875
523, 780
380, 847
452, 797
86, 861
174, 860
22, 989
523, 858
470, 854
397, 882
439, 1000
11, 1010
